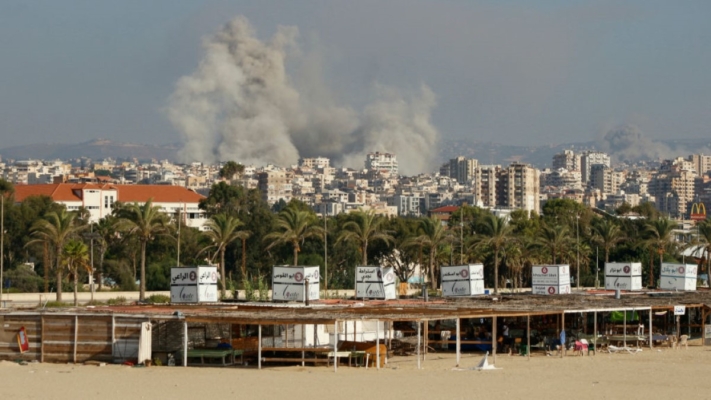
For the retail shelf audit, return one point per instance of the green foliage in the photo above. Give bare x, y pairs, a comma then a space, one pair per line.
248, 289
55, 304
158, 275
263, 289
23, 279
158, 299
117, 301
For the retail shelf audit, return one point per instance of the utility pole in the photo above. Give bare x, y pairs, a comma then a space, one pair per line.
325, 252
577, 247
179, 223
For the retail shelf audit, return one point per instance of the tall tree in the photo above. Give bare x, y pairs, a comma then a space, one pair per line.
495, 233
230, 169
607, 234
222, 230
433, 237
144, 222
75, 256
243, 236
660, 235
5, 188
555, 238
366, 228
294, 227
56, 229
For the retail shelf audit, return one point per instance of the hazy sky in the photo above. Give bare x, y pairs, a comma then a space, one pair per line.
520, 72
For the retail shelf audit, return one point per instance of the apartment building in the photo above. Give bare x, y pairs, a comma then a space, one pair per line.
590, 158
673, 187
382, 162
518, 187
462, 169
606, 179
275, 185
567, 160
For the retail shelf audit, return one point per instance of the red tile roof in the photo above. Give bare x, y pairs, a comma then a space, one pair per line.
126, 193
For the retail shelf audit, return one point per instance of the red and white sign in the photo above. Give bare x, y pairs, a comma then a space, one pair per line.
22, 340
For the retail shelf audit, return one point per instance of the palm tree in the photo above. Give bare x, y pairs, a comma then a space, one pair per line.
56, 229
243, 236
144, 222
555, 238
607, 234
495, 233
365, 229
294, 228
434, 236
659, 233
75, 255
222, 230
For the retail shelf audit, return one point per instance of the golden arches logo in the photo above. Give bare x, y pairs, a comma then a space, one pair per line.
698, 211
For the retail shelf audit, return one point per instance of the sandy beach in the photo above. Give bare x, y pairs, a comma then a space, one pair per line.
650, 374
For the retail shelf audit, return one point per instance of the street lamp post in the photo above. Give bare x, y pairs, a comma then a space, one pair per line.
91, 236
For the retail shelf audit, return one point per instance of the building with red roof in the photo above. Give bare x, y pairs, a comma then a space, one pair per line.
98, 199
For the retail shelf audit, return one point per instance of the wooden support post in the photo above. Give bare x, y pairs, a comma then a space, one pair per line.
703, 326
335, 345
355, 328
42, 343
459, 340
595, 333
426, 338
493, 337
528, 336
185, 343
303, 344
562, 329
113, 334
651, 333
624, 328
315, 339
377, 344
259, 346
388, 340
418, 344
76, 336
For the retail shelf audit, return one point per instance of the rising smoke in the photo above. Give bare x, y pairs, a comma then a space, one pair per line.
627, 143
240, 104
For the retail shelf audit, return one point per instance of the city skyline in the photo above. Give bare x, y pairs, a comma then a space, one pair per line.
546, 73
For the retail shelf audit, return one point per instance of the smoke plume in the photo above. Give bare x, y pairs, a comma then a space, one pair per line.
240, 104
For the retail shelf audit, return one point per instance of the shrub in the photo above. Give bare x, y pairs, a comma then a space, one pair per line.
56, 304
158, 299
116, 301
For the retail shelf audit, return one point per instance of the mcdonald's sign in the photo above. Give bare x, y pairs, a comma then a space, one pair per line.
698, 212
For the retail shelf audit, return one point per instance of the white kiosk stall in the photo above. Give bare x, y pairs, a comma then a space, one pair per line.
623, 276
375, 282
462, 280
193, 284
681, 277
550, 279
289, 283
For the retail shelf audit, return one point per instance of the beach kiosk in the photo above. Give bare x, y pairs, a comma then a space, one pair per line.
289, 283
679, 277
550, 279
375, 282
193, 284
623, 276
462, 280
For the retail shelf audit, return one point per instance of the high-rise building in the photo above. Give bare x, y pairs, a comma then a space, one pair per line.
382, 161
485, 185
315, 162
518, 187
590, 158
673, 187
462, 169
701, 163
275, 185
566, 160
605, 179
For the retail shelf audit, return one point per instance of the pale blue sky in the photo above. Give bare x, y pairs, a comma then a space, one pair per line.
521, 72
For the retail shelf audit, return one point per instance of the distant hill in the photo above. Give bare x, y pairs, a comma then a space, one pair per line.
485, 152
96, 149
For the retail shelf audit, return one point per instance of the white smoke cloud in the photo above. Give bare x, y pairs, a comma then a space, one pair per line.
240, 104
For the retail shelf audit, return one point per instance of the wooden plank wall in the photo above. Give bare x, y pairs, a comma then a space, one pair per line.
70, 338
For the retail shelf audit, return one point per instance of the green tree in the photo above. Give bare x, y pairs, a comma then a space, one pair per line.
294, 227
555, 238
433, 237
144, 222
56, 229
230, 169
607, 234
703, 243
222, 230
495, 233
660, 235
365, 228
5, 188
75, 256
